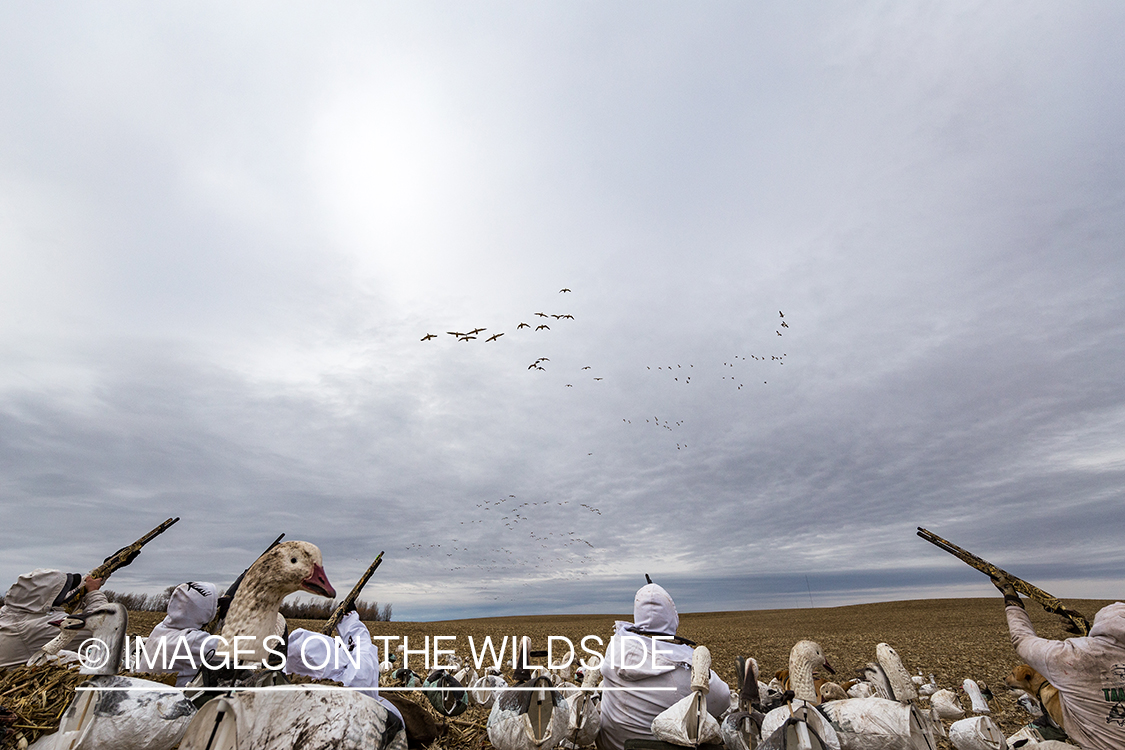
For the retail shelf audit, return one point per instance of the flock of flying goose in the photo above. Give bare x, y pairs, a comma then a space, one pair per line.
548, 545
562, 547
474, 334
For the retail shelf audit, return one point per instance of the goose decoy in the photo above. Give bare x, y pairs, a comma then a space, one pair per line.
742, 728
534, 719
980, 705
585, 710
893, 721
288, 716
131, 714
687, 721
445, 693
484, 690
797, 724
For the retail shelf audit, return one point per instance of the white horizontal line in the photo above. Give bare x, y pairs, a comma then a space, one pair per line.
308, 686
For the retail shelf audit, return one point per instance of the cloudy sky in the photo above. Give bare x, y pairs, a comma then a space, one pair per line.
224, 231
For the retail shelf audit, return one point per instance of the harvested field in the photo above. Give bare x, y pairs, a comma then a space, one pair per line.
952, 638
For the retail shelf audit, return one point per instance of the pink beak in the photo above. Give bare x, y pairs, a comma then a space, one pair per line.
317, 583
57, 622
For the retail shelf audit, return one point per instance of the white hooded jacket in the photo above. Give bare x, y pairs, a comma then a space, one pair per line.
28, 610
631, 662
352, 661
176, 644
1088, 672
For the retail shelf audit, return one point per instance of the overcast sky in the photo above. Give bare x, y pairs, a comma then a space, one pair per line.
224, 231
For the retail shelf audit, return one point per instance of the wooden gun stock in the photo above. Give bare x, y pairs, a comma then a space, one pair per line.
1051, 604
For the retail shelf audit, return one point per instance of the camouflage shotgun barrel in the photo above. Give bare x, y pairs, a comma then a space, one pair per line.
349, 601
121, 558
1079, 624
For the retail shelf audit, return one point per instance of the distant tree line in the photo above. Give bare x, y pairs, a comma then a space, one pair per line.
140, 602
309, 610
322, 610
297, 610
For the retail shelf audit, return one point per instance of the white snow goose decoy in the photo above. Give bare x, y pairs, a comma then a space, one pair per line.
863, 723
687, 721
798, 725
484, 690
287, 717
534, 716
110, 711
585, 710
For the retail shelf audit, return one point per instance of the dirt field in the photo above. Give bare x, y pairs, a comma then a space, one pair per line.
952, 638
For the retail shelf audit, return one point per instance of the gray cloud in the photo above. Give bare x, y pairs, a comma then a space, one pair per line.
225, 235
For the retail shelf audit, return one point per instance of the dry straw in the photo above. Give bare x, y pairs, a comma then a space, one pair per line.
37, 696
33, 699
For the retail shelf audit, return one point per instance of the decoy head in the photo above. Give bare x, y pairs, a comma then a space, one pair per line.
809, 652
93, 620
292, 566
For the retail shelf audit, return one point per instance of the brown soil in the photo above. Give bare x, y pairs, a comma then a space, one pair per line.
951, 638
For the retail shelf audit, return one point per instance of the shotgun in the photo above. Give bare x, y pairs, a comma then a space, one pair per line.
1078, 623
120, 559
349, 601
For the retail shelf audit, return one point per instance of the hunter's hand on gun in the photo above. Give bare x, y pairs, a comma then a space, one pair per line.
349, 602
1009, 585
128, 555
116, 561
222, 604
1069, 618
1005, 587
